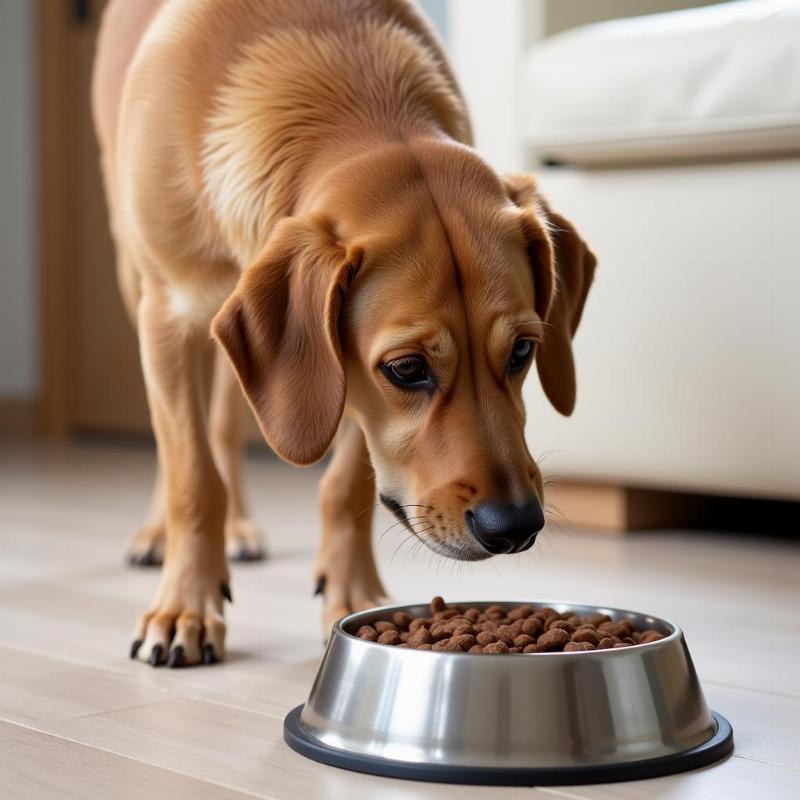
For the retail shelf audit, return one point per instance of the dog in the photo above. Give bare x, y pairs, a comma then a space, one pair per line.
297, 177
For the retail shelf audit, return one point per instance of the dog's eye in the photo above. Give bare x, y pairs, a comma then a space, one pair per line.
520, 355
409, 372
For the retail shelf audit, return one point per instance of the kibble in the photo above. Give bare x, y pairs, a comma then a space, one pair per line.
500, 631
389, 637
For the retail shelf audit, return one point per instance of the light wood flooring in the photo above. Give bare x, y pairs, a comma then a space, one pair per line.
78, 719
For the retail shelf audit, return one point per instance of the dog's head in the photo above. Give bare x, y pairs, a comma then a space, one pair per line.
416, 294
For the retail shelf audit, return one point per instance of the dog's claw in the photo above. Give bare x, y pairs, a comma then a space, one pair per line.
146, 559
209, 656
177, 657
243, 555
135, 645
226, 592
320, 587
155, 655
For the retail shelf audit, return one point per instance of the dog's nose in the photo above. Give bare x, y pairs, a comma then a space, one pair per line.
506, 527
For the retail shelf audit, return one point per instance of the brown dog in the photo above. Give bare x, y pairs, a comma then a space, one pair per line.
308, 160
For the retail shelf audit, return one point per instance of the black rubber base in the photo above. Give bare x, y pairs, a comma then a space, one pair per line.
717, 747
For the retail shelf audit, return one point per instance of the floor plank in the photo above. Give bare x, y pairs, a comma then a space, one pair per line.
241, 749
734, 779
35, 765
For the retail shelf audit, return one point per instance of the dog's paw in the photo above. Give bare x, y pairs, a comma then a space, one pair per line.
244, 541
345, 597
146, 547
186, 625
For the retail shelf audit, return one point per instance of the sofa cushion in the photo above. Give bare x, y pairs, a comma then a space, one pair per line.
717, 80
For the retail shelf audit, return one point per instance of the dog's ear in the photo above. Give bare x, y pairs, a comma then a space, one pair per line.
563, 268
280, 331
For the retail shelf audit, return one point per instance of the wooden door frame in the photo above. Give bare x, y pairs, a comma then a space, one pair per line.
54, 24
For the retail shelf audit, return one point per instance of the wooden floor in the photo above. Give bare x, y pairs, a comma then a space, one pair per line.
79, 720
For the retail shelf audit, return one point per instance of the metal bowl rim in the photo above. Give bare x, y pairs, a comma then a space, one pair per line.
677, 632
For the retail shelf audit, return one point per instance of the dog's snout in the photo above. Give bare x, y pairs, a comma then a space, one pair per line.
506, 527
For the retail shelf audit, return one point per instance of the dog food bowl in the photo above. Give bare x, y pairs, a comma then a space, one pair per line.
522, 719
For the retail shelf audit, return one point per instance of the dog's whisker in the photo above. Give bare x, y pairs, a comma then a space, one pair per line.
404, 522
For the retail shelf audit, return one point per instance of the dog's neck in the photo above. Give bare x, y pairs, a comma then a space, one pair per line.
300, 104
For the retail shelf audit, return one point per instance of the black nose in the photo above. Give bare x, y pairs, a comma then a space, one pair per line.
506, 527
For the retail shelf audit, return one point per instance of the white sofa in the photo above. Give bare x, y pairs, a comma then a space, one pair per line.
678, 137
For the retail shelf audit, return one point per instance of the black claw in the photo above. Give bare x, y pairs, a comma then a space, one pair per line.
148, 559
209, 656
177, 657
155, 655
226, 591
135, 645
320, 587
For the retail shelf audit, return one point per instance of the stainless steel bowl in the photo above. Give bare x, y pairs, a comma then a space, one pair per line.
539, 718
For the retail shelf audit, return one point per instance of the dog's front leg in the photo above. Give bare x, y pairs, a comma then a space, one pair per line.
185, 624
345, 571
243, 541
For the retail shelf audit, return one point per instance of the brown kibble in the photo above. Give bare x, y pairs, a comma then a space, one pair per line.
553, 639
382, 626
532, 626
401, 619
532, 648
505, 633
438, 604
576, 647
447, 644
438, 634
586, 635
367, 632
520, 612
519, 629
419, 637
614, 629
555, 624
389, 637
464, 641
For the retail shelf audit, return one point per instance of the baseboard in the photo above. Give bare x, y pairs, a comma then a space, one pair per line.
19, 416
622, 509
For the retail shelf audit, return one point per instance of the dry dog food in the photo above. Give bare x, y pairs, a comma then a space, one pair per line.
501, 630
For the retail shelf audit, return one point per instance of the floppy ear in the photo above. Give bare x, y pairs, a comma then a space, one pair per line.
563, 272
279, 329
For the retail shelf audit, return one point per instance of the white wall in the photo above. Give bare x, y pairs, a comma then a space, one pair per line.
19, 361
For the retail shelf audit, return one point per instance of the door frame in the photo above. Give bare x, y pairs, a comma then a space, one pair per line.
55, 23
